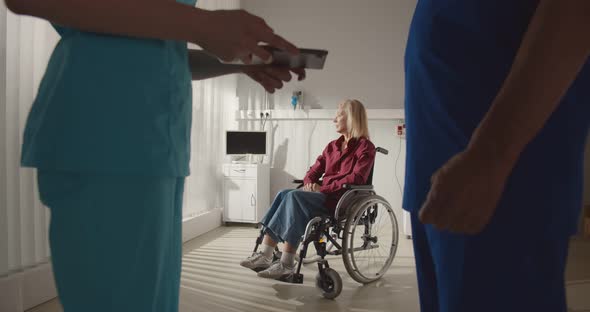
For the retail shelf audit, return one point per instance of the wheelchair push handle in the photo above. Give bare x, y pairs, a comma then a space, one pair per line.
382, 150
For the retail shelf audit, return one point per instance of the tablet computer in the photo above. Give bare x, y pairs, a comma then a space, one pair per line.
307, 58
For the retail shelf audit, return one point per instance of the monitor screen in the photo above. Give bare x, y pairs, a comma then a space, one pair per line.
245, 142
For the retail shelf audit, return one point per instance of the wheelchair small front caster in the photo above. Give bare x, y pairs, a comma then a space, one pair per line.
330, 285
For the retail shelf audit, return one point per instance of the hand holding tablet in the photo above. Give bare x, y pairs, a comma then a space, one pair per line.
307, 58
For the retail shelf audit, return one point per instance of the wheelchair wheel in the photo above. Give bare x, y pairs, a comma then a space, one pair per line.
330, 285
370, 239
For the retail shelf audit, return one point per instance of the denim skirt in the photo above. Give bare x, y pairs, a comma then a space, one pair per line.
290, 212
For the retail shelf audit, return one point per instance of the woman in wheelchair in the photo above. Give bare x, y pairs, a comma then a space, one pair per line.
347, 160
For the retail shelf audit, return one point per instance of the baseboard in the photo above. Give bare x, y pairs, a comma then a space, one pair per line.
39, 286
24, 290
201, 224
11, 293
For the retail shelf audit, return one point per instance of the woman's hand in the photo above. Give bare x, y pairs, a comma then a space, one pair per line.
465, 193
311, 187
236, 34
315, 188
272, 77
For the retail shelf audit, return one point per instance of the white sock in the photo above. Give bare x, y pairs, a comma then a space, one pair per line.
267, 250
288, 259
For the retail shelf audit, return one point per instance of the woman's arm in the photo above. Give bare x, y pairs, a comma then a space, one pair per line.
204, 66
554, 49
360, 172
156, 19
316, 171
226, 34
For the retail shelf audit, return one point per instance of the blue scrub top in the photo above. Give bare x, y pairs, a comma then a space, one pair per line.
459, 53
112, 105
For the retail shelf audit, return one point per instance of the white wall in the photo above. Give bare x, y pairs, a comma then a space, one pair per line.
366, 42
213, 101
295, 144
3, 152
365, 39
25, 276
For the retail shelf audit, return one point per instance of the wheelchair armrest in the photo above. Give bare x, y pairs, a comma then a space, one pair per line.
357, 187
301, 182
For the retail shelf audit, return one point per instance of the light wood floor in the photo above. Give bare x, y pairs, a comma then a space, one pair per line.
213, 281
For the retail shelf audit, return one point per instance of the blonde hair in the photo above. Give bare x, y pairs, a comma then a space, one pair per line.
356, 119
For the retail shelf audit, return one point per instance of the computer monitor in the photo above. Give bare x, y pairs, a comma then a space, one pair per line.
245, 143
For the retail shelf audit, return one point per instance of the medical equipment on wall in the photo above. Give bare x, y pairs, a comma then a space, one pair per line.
297, 100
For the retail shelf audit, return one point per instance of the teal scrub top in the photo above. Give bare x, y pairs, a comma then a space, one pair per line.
112, 105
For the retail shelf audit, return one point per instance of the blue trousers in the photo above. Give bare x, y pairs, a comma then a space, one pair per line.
503, 269
115, 241
290, 212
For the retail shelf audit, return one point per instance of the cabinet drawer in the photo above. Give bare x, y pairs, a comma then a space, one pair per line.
235, 171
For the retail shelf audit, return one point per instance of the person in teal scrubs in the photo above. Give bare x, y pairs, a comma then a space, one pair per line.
109, 134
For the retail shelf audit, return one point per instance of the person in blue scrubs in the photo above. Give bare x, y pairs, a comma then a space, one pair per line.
497, 113
109, 134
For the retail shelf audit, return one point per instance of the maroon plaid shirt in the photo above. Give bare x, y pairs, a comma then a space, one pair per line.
351, 166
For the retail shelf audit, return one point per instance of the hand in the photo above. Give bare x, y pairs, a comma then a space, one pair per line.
236, 34
311, 187
465, 193
315, 188
272, 77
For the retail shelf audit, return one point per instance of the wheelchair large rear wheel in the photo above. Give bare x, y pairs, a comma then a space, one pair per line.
370, 239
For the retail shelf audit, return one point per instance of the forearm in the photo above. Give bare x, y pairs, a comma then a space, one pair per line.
158, 19
316, 171
337, 185
358, 176
553, 51
205, 66
312, 177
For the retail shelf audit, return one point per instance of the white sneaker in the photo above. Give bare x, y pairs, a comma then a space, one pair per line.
277, 270
257, 262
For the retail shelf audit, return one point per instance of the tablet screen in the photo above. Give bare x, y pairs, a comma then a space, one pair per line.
307, 58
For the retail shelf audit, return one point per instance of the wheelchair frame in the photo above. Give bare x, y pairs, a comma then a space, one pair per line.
328, 280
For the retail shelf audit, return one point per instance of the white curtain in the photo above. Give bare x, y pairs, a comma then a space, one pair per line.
26, 45
214, 105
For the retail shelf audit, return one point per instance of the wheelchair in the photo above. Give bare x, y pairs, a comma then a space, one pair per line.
365, 224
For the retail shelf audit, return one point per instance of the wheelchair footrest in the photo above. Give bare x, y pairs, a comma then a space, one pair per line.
292, 278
